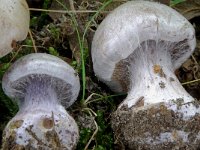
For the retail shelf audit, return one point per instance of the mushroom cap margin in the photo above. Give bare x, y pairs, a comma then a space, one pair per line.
41, 64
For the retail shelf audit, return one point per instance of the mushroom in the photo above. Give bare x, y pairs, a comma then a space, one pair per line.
40, 83
14, 24
136, 50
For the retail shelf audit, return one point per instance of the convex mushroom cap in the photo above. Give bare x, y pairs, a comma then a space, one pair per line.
40, 83
53, 70
14, 23
136, 49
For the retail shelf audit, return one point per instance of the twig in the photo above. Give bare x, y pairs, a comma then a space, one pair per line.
66, 11
71, 3
15, 54
89, 97
189, 82
95, 132
90, 111
194, 59
192, 9
34, 47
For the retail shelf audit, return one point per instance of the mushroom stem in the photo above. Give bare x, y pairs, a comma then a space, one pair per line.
152, 76
41, 113
41, 96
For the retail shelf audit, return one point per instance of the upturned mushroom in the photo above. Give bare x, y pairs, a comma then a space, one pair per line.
14, 24
40, 83
136, 49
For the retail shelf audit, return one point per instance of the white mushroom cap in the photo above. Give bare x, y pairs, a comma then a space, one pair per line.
62, 77
132, 23
14, 23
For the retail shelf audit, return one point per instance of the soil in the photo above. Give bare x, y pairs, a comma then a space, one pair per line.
142, 128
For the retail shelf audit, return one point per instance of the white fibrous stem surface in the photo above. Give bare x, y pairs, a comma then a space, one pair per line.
41, 96
152, 77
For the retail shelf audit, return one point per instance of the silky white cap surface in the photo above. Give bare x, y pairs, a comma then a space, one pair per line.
132, 23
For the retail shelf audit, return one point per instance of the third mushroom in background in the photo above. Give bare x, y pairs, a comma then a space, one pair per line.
14, 24
136, 49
